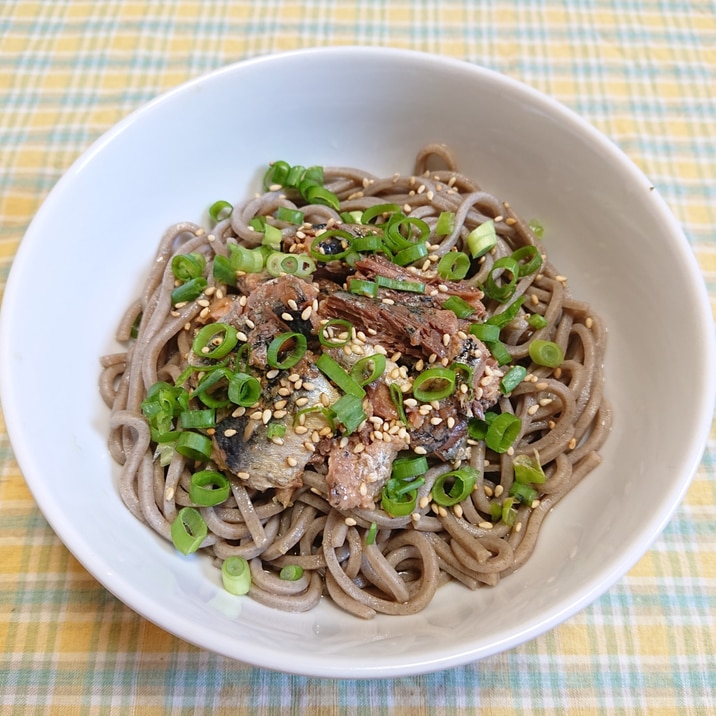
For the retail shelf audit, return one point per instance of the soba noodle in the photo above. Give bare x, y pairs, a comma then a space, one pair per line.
363, 558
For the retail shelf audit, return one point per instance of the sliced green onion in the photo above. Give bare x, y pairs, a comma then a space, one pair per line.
509, 513
279, 263
190, 290
537, 321
315, 194
244, 389
297, 174
195, 446
368, 369
335, 372
258, 224
348, 409
290, 216
316, 245
434, 384
247, 260
188, 530
199, 419
463, 483
459, 306
291, 572
502, 292
373, 242
188, 266
272, 237
528, 470
531, 257
236, 575
220, 210
482, 239
411, 254
399, 497
546, 353
399, 285
215, 340
275, 430
396, 395
223, 271
351, 217
373, 212
277, 348
277, 173
371, 534
485, 332
325, 332
502, 318
326, 413
536, 228
512, 379
453, 266
464, 373
409, 466
208, 488
477, 428
502, 432
361, 287
396, 228
499, 352
445, 224
524, 493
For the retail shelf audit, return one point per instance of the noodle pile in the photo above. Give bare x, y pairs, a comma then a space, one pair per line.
365, 560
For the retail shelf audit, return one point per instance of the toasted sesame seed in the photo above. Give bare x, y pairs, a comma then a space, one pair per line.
415, 516
541, 385
436, 421
266, 416
420, 450
451, 422
242, 336
557, 373
499, 490
588, 322
279, 404
517, 527
300, 430
363, 489
250, 324
292, 462
276, 440
533, 409
350, 522
325, 400
284, 391
442, 511
241, 410
457, 511
286, 316
229, 433
306, 314
485, 525
278, 414
256, 416
572, 444
242, 302
292, 304
388, 301
360, 447
410, 403
294, 377
534, 299
487, 490
243, 475
378, 435
545, 401
309, 446
203, 302
446, 339
430, 195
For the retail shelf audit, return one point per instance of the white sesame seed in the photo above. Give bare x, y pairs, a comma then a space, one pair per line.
292, 462
499, 490
266, 416
243, 475
300, 430
309, 446
278, 414
350, 522
533, 409
420, 450
485, 525
292, 304
256, 416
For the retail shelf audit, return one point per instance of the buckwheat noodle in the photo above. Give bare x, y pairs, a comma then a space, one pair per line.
564, 418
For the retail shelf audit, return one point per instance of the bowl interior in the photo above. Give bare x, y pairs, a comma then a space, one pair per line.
90, 246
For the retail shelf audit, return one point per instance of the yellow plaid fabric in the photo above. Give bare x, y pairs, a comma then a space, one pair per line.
644, 72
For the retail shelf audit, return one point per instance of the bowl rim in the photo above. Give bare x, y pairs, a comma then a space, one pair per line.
318, 667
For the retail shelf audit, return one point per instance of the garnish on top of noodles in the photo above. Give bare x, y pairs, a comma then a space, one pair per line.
357, 384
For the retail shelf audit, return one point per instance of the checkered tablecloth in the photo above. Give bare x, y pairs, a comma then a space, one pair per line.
642, 72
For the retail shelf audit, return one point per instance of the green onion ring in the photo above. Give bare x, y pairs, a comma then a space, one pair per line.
209, 488
276, 347
188, 530
443, 376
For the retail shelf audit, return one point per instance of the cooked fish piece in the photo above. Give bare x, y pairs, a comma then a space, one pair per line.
355, 479
241, 443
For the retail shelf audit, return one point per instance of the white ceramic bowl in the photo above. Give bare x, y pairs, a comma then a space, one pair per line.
84, 257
